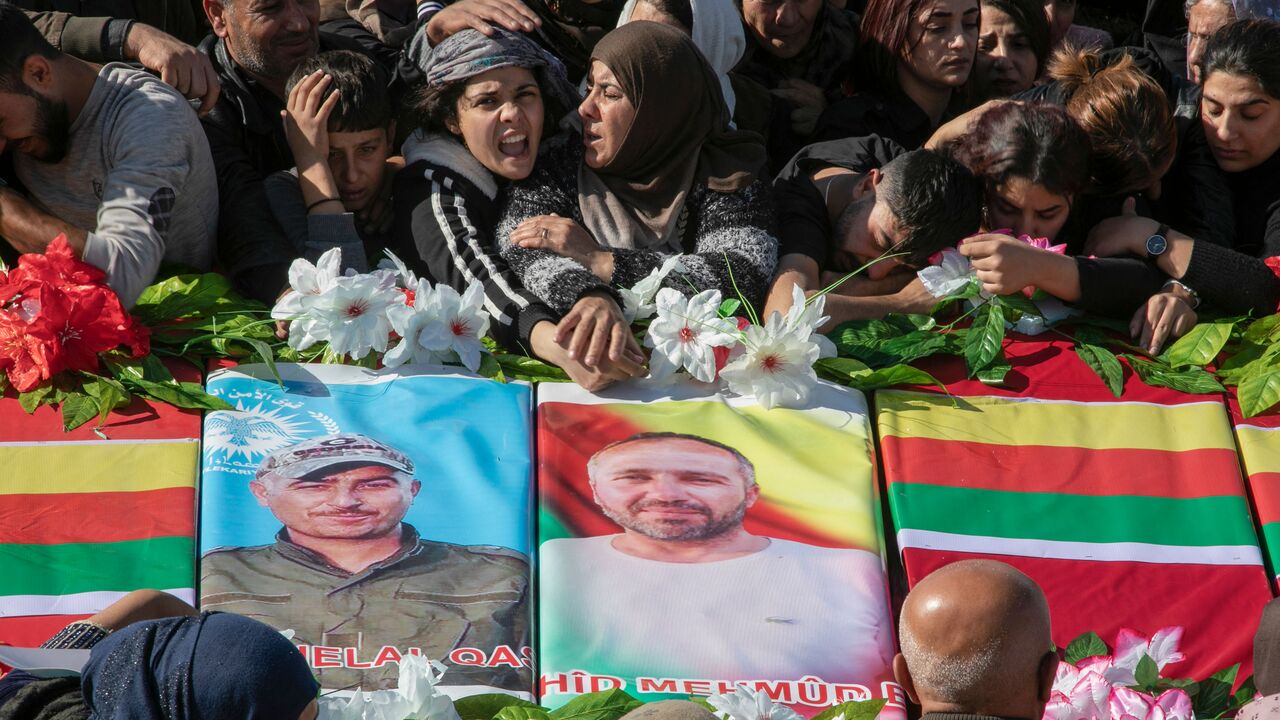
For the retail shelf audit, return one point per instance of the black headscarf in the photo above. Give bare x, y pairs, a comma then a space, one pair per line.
215, 666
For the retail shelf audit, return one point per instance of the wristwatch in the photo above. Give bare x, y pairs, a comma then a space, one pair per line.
1159, 242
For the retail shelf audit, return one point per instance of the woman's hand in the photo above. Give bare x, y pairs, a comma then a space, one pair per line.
583, 344
1165, 316
809, 101
306, 118
566, 238
1124, 234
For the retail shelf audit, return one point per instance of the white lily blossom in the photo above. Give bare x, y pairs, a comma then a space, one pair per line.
747, 704
637, 302
396, 265
415, 698
409, 321
948, 276
307, 282
352, 313
776, 366
805, 317
685, 332
460, 322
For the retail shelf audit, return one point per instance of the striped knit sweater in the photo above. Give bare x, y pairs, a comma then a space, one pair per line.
728, 237
446, 208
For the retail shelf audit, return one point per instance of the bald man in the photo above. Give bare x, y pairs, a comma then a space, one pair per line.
976, 644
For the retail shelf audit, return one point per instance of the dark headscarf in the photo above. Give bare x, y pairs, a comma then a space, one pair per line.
215, 666
468, 53
680, 136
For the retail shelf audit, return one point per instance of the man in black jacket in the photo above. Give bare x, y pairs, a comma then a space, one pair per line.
255, 46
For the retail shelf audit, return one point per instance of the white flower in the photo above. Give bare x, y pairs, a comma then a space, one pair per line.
459, 324
353, 313
409, 322
308, 282
637, 303
747, 704
948, 276
777, 366
685, 332
415, 698
394, 264
804, 318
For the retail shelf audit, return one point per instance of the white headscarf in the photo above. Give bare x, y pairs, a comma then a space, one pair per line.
717, 31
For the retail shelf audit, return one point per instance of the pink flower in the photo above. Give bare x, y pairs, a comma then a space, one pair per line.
1132, 645
1043, 244
1128, 704
1087, 699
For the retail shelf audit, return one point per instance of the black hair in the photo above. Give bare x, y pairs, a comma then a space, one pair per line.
1036, 141
1250, 48
432, 108
681, 10
935, 200
363, 101
21, 41
1029, 16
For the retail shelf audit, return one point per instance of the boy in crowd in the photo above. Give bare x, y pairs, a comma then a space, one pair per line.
85, 148
338, 122
845, 204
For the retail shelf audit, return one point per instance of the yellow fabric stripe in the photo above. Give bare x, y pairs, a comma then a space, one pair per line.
97, 467
814, 465
1098, 426
1260, 449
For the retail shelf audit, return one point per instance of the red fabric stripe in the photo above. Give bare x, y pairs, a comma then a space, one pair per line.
569, 434
138, 421
31, 630
1075, 471
1266, 496
97, 517
1050, 370
1218, 605
1269, 420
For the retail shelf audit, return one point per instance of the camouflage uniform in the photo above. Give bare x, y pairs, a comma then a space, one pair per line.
430, 595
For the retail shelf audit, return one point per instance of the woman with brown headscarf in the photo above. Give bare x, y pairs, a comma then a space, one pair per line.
656, 173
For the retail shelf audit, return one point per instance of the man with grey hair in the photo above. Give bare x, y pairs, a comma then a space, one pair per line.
685, 588
975, 639
347, 573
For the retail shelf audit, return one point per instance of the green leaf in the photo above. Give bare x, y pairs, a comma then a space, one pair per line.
522, 712
522, 367
1103, 362
858, 376
4, 384
1146, 673
1264, 330
1021, 303
1243, 696
1086, 646
995, 373
1188, 380
183, 395
914, 346
701, 700
853, 710
985, 337
922, 322
603, 705
729, 307
840, 369
1259, 393
77, 409
490, 368
109, 394
1215, 693
32, 399
182, 296
1199, 346
486, 705
264, 353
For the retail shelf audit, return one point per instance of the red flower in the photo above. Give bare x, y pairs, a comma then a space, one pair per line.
29, 356
58, 265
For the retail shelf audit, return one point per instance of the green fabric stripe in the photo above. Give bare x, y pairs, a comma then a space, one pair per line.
550, 527
1218, 520
88, 567
1271, 545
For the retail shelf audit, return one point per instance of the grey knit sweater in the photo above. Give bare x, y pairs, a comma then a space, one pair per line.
724, 235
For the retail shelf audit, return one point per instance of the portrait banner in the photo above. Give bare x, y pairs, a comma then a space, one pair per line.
375, 514
1129, 512
691, 543
1258, 439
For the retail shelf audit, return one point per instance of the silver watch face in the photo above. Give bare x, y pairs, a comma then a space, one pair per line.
1156, 244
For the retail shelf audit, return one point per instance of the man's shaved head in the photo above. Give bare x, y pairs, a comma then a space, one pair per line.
975, 638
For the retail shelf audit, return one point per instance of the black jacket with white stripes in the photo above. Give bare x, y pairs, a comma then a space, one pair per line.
447, 205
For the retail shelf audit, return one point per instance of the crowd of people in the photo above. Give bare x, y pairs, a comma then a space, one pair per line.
555, 152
